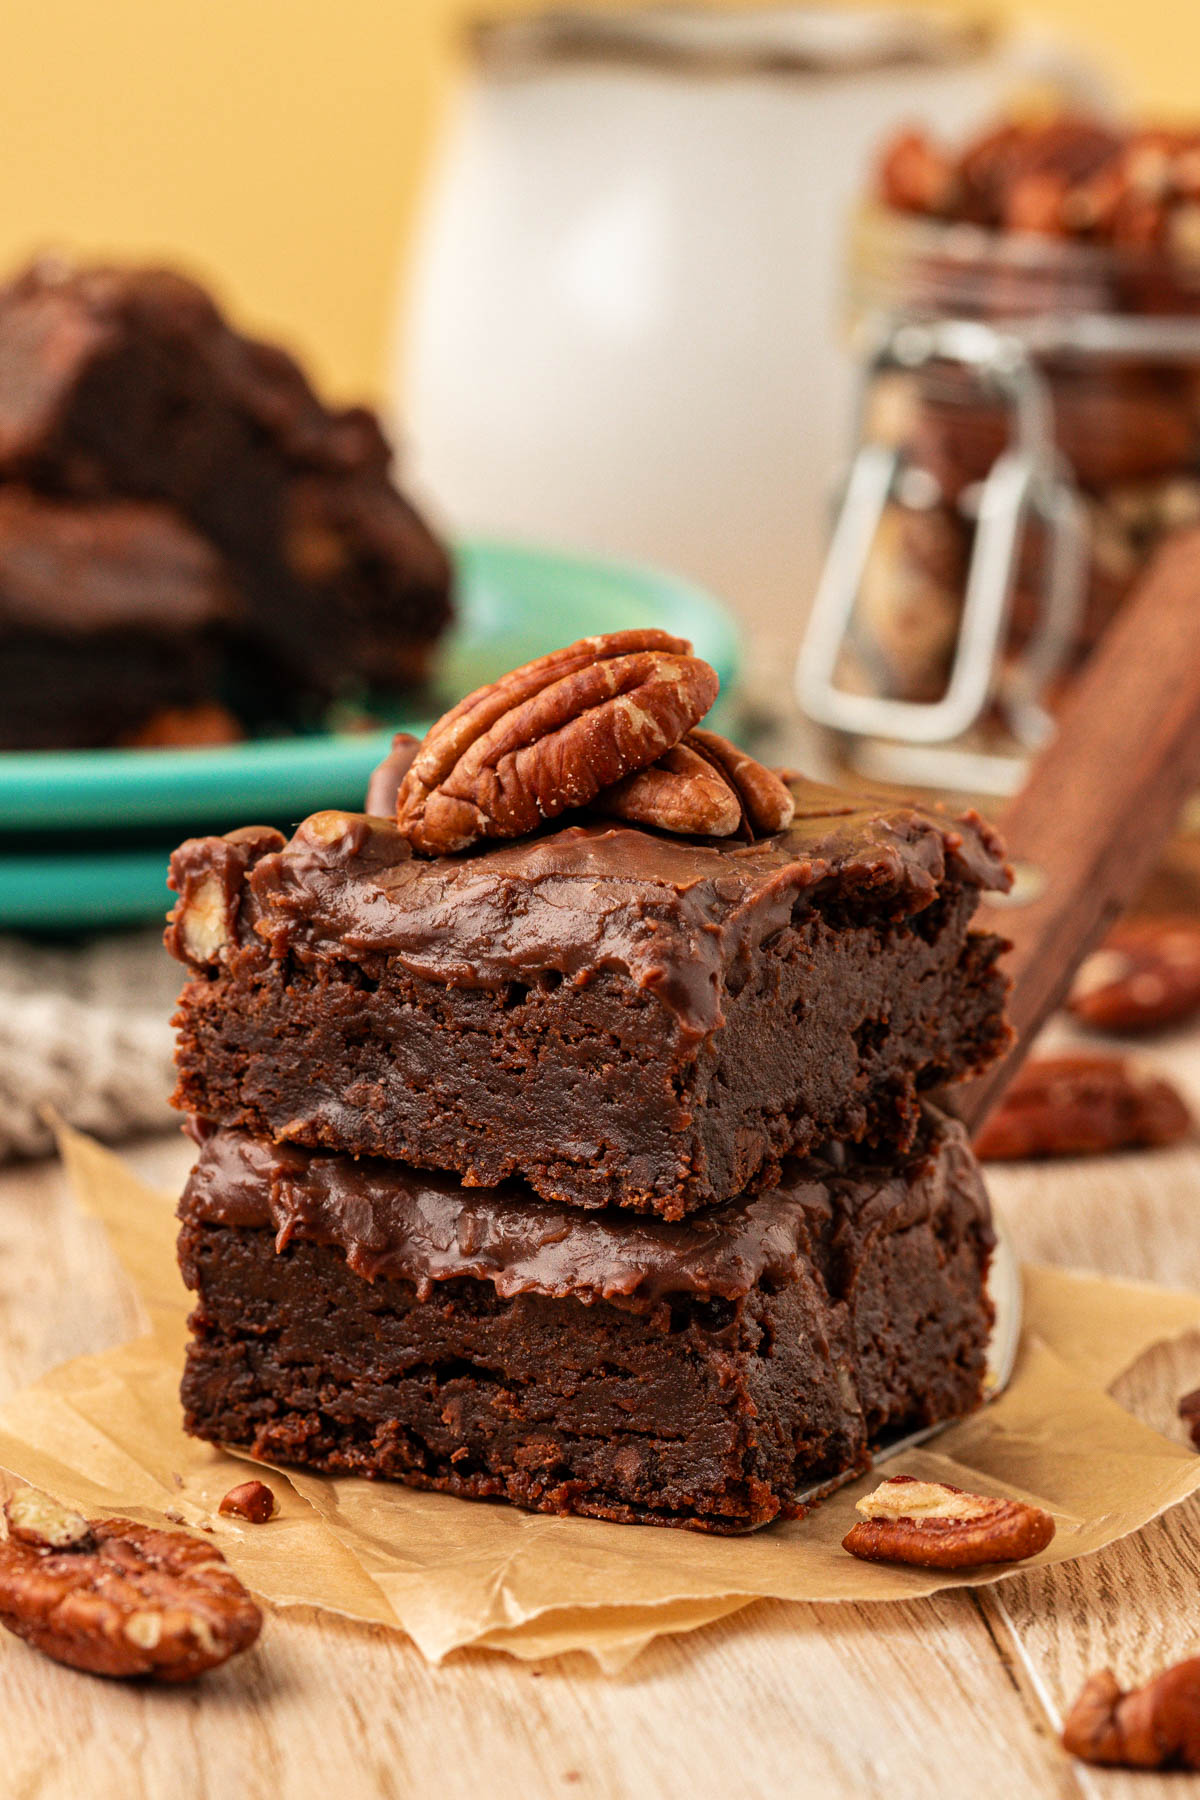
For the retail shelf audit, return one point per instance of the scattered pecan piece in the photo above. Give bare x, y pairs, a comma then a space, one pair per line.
936, 1526
1145, 975
703, 787
916, 175
116, 1598
253, 1501
1082, 1106
1151, 1727
384, 784
1189, 1412
550, 736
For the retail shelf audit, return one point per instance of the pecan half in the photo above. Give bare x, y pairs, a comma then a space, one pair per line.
1082, 1106
1145, 975
550, 736
680, 792
1151, 1727
916, 175
936, 1526
253, 1501
766, 800
705, 787
116, 1598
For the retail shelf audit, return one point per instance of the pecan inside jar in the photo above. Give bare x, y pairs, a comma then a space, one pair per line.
115, 1598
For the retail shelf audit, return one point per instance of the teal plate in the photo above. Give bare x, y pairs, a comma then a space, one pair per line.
78, 844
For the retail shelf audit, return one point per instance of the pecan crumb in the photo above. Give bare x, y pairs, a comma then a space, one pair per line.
549, 737
252, 1500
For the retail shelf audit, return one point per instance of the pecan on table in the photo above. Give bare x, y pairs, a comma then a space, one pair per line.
551, 736
1152, 1727
704, 786
1082, 1106
115, 1598
1144, 976
935, 1526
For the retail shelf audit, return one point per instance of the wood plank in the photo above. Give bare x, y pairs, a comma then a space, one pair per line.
782, 1700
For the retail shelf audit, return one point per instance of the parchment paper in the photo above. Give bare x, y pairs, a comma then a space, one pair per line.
103, 1434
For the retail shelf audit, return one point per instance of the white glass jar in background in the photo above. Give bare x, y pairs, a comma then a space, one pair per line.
623, 322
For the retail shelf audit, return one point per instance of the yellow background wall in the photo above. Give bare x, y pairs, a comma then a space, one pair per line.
276, 146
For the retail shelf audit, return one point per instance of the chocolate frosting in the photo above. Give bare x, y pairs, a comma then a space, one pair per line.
677, 916
393, 1222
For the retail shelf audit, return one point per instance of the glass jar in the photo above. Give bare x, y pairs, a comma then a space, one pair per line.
1029, 431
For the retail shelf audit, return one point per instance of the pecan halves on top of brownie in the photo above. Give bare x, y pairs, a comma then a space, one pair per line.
550, 736
704, 786
383, 787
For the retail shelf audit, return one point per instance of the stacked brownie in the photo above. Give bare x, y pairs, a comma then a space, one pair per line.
185, 527
587, 1168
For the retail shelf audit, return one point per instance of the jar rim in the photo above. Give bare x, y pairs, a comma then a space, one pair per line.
821, 39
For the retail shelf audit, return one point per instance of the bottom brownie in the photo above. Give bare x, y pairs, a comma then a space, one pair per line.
368, 1319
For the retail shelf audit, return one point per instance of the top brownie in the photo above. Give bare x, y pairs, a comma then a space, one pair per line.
618, 1016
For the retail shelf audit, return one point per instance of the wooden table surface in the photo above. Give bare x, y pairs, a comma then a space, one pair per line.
958, 1695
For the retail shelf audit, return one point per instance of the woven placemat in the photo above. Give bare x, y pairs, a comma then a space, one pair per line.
85, 1030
